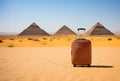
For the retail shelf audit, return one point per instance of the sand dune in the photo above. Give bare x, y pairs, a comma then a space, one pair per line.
54, 64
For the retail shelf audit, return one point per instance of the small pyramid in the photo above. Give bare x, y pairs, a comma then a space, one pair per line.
64, 30
99, 29
33, 30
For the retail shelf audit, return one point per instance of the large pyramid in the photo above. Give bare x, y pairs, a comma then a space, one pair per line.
33, 30
65, 31
99, 29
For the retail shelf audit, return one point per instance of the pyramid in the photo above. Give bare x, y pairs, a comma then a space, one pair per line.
33, 30
64, 30
99, 29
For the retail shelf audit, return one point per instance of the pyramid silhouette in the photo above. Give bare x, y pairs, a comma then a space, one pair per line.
33, 30
64, 30
99, 29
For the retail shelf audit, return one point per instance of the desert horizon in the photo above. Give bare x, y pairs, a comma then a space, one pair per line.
49, 41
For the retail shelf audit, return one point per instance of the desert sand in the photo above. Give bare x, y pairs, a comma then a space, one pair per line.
48, 58
54, 64
53, 41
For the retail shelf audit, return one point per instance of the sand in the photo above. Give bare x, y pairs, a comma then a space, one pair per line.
56, 41
54, 64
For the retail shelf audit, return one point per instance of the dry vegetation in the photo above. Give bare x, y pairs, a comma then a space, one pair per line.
41, 41
1, 41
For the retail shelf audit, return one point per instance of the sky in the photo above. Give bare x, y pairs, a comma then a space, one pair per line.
51, 15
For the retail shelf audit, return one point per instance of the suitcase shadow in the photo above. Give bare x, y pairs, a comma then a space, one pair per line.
96, 66
101, 66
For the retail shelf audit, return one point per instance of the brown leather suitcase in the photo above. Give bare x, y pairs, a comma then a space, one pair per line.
81, 51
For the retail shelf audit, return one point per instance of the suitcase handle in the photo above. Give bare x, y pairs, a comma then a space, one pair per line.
81, 29
79, 33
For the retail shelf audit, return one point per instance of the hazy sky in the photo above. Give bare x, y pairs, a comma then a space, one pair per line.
50, 15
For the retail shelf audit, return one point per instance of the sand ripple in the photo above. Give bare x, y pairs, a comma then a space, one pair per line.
54, 64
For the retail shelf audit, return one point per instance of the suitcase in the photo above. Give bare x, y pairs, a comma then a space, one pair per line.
81, 51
